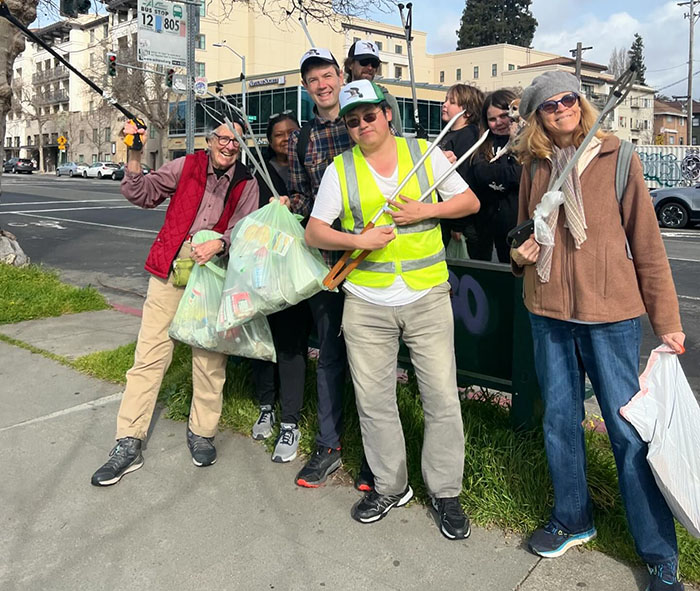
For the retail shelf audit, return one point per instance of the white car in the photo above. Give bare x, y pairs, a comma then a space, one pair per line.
100, 170
71, 169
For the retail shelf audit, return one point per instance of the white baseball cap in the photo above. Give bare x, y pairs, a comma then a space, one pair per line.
363, 49
316, 56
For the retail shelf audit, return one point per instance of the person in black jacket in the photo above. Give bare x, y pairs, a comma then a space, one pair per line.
290, 327
496, 183
462, 136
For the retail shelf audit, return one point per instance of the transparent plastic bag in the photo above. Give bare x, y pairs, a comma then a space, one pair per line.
550, 201
196, 317
666, 415
270, 266
457, 249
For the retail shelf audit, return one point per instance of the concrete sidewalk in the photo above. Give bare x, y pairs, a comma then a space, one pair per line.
240, 524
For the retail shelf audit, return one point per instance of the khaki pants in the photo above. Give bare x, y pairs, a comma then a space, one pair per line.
372, 336
154, 352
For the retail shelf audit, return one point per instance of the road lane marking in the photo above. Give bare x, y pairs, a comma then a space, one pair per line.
689, 298
45, 217
61, 202
684, 260
59, 209
66, 411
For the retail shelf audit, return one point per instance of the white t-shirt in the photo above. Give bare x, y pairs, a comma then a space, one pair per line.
328, 207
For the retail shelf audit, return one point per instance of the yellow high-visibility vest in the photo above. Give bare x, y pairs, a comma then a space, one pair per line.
417, 253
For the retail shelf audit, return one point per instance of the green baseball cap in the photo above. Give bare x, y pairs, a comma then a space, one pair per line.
360, 92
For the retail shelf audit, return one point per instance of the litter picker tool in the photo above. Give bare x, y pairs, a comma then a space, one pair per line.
306, 31
346, 265
618, 93
133, 141
407, 22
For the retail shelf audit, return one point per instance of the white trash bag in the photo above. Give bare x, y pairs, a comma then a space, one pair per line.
666, 415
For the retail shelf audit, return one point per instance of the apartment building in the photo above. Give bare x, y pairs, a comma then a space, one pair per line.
670, 127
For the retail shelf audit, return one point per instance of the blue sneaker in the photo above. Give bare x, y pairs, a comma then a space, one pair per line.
551, 541
664, 577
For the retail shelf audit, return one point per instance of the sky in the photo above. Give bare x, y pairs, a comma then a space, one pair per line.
602, 24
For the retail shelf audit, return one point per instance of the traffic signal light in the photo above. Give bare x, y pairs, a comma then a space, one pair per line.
111, 64
169, 78
72, 8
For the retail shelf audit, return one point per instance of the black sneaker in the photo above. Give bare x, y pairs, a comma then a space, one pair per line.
664, 577
125, 457
202, 449
365, 479
551, 541
322, 463
375, 506
454, 524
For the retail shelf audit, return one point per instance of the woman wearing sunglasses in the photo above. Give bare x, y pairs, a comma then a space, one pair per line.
290, 327
585, 295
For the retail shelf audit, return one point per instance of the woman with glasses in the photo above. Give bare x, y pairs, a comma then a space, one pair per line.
585, 294
496, 182
462, 136
290, 327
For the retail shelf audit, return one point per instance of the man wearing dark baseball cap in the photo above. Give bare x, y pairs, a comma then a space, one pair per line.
363, 63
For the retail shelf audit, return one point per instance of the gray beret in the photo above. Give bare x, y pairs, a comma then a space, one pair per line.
546, 86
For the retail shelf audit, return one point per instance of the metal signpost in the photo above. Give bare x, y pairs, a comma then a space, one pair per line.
162, 33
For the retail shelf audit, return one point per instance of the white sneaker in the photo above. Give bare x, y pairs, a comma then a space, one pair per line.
287, 443
265, 423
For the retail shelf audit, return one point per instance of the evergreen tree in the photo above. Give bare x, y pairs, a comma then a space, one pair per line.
636, 54
487, 22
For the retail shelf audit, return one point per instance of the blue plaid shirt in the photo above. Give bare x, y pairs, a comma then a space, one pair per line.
326, 140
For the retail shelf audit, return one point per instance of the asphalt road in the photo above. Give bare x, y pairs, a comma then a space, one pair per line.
85, 228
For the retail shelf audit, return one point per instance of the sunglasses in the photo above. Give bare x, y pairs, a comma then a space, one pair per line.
354, 122
224, 141
369, 61
568, 101
286, 112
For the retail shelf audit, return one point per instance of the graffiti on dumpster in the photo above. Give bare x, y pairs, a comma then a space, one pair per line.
668, 170
470, 305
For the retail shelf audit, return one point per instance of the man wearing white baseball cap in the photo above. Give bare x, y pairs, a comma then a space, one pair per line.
363, 63
399, 291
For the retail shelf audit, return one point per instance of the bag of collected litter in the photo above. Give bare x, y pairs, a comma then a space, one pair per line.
666, 415
196, 316
270, 266
457, 249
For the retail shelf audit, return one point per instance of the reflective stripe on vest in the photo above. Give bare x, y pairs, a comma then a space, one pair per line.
417, 253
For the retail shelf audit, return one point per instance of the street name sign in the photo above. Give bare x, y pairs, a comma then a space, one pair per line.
162, 33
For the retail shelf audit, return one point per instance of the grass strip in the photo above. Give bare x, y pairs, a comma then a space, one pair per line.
506, 478
33, 292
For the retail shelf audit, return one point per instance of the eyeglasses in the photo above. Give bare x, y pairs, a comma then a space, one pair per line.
224, 140
354, 122
369, 61
568, 100
286, 112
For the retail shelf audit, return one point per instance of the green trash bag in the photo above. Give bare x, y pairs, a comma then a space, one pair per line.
196, 317
270, 266
457, 249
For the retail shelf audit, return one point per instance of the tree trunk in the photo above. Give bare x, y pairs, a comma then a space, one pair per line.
10, 48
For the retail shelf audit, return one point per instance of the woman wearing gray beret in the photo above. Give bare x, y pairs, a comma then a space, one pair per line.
586, 290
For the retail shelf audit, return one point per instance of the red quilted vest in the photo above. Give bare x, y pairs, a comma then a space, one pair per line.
183, 208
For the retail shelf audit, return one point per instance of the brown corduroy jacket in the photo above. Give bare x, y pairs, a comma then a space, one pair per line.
599, 282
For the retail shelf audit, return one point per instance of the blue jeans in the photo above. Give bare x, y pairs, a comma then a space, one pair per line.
609, 353
327, 311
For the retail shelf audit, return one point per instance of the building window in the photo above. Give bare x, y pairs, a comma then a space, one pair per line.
92, 35
476, 72
200, 42
199, 69
94, 158
92, 60
91, 106
82, 136
105, 31
458, 74
494, 69
442, 76
122, 16
81, 157
669, 119
671, 140
696, 121
108, 134
511, 67
398, 49
95, 135
397, 71
203, 9
379, 45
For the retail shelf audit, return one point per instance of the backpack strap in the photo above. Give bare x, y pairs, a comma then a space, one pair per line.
622, 171
303, 141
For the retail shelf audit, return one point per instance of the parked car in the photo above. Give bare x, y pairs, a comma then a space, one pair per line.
71, 169
677, 207
118, 174
100, 170
16, 165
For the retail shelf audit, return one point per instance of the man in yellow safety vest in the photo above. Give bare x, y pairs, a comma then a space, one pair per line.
399, 291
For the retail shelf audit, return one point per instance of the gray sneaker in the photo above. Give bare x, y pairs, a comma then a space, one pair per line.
265, 423
287, 443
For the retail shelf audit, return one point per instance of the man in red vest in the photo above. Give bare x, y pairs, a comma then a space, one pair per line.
207, 190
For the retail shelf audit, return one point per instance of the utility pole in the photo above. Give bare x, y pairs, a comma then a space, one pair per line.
192, 29
577, 54
692, 17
